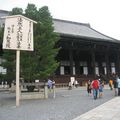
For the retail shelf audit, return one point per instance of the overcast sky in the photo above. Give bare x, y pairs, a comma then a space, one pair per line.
103, 15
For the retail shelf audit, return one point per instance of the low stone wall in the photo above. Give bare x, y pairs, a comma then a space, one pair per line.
58, 85
41, 93
32, 95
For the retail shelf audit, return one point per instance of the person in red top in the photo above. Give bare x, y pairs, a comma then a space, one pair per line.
95, 87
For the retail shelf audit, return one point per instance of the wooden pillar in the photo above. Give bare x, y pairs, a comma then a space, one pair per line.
89, 65
93, 60
77, 62
117, 65
100, 67
71, 61
77, 67
107, 63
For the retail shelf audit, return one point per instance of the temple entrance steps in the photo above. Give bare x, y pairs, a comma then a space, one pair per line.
63, 80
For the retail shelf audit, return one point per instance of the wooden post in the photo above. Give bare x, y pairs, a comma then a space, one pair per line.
107, 63
46, 91
93, 60
17, 77
117, 65
71, 61
53, 91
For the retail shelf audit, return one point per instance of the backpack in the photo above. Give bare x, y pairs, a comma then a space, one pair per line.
95, 84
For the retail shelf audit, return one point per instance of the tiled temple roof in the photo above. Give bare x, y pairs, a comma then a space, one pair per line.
79, 30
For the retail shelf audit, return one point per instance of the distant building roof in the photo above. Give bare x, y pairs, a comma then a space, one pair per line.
79, 30
4, 13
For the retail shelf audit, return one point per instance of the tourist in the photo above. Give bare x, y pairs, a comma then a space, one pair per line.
118, 81
70, 85
115, 85
89, 87
95, 87
101, 86
76, 83
50, 84
111, 84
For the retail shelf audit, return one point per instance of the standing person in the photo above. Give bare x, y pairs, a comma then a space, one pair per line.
76, 83
95, 87
115, 85
50, 84
89, 87
111, 84
53, 83
118, 81
70, 85
101, 86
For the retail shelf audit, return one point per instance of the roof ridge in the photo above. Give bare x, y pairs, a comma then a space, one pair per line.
68, 21
103, 34
4, 11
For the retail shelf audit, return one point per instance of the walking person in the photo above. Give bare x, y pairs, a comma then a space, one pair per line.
118, 81
89, 87
111, 84
101, 86
95, 87
50, 84
115, 85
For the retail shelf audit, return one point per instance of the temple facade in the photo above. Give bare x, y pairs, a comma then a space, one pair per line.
86, 52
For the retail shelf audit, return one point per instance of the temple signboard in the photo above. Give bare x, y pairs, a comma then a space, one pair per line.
18, 33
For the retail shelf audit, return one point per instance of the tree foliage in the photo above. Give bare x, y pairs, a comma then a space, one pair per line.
9, 61
16, 11
43, 57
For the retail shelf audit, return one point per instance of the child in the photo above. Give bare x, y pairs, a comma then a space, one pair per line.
101, 89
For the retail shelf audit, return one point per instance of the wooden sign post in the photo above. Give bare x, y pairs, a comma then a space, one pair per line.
18, 35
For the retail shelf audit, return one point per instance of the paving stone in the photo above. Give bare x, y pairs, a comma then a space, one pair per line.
67, 105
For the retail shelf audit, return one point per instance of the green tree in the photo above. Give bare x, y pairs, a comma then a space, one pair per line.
8, 58
31, 12
16, 11
9, 64
1, 51
45, 40
41, 63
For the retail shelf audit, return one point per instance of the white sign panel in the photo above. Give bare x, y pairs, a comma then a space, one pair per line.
18, 34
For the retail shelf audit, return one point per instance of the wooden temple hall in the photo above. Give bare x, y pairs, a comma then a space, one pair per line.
85, 52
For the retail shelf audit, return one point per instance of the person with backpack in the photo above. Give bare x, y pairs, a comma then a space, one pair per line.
95, 88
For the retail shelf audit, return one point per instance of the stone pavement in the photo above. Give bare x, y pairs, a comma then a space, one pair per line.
107, 111
67, 105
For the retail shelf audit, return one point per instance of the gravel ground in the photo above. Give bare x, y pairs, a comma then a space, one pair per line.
67, 105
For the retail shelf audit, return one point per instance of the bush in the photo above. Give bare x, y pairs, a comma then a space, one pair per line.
31, 88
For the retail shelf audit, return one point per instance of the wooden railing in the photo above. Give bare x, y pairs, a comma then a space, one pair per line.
58, 85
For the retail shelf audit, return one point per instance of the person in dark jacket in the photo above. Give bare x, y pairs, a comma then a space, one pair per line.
89, 87
115, 85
